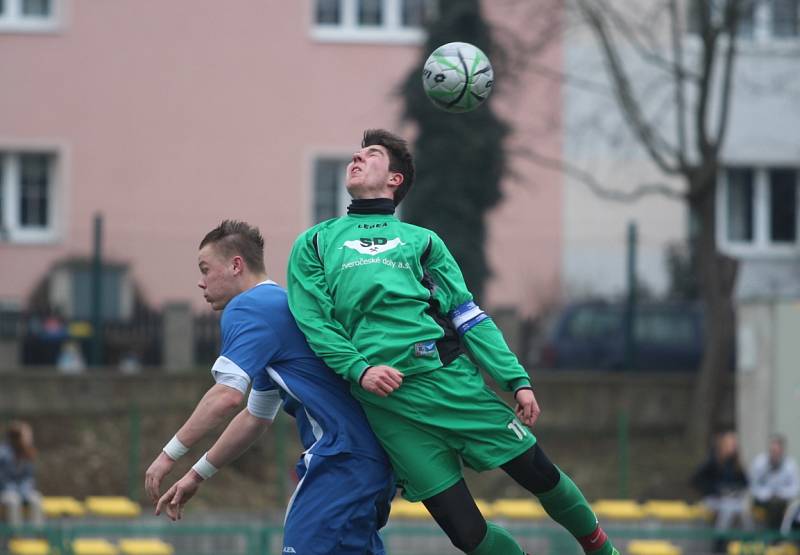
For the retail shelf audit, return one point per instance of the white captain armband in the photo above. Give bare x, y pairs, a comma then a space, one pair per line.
466, 316
264, 404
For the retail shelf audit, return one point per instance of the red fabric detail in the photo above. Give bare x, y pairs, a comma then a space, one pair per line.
593, 541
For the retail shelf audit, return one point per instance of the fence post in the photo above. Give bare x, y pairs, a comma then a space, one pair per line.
623, 436
96, 350
178, 337
135, 436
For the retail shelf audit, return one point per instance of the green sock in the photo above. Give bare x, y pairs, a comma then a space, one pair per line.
566, 505
497, 541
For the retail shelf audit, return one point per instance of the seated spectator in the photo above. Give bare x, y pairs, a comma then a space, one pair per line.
774, 481
17, 485
70, 359
723, 484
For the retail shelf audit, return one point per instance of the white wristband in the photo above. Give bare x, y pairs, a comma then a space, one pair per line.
204, 468
175, 449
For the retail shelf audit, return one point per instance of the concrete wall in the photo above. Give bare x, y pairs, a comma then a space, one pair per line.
768, 385
571, 401
85, 422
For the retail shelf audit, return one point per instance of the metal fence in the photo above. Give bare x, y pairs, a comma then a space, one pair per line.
42, 337
400, 538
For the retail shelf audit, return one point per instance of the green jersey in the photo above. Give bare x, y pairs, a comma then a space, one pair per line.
368, 289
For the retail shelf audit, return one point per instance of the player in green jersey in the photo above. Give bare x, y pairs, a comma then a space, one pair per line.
384, 304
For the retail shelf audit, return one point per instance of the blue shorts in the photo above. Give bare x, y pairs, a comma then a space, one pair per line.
338, 507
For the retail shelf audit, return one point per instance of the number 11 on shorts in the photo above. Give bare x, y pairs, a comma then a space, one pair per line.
517, 428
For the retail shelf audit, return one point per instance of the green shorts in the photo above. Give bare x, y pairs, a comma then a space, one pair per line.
438, 419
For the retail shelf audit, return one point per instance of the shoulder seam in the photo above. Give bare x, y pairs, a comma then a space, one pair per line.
315, 241
426, 253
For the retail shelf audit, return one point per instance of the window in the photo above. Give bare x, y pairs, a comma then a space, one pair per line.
27, 194
416, 13
28, 15
398, 21
665, 327
759, 210
593, 322
783, 206
759, 20
330, 194
328, 12
740, 204
785, 21
36, 8
370, 12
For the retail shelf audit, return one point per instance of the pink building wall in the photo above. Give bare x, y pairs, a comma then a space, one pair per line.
170, 116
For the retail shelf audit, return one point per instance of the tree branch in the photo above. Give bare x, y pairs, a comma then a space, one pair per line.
592, 183
727, 78
653, 143
709, 34
678, 75
649, 52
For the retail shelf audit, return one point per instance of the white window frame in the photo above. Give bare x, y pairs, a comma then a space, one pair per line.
349, 31
762, 26
343, 197
13, 21
761, 245
11, 230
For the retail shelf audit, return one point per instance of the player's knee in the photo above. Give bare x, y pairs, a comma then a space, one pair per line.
546, 471
458, 516
465, 526
11, 498
467, 538
533, 471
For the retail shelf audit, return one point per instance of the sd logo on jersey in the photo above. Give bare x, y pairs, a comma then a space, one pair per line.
373, 246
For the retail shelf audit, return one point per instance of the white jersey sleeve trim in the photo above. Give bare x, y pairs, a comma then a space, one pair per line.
227, 372
264, 404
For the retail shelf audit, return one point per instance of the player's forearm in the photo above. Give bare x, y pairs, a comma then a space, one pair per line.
239, 435
490, 350
312, 307
791, 490
216, 405
334, 348
760, 493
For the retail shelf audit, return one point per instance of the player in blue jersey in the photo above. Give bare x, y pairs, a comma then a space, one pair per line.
346, 483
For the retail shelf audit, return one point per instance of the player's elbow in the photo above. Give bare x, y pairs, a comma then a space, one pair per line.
255, 423
228, 399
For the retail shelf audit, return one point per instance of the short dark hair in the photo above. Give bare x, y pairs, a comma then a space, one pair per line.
400, 159
20, 438
778, 438
233, 238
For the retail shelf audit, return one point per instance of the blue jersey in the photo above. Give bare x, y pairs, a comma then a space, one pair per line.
262, 343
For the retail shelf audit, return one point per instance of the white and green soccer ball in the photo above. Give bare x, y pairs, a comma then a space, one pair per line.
457, 77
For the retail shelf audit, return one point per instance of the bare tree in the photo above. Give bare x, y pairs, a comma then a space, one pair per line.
700, 81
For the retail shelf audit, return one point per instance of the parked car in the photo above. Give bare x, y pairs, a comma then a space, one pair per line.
591, 336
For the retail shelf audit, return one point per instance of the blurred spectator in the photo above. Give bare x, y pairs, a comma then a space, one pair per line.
17, 485
130, 363
723, 484
70, 360
774, 481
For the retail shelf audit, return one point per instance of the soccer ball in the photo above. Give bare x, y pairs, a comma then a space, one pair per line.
457, 77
